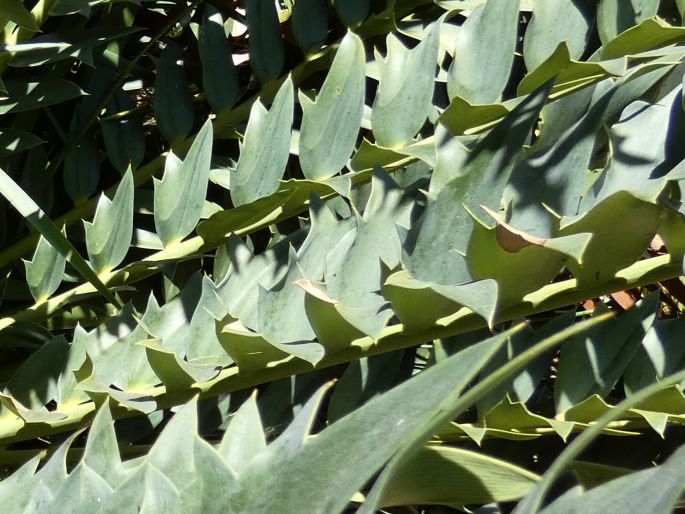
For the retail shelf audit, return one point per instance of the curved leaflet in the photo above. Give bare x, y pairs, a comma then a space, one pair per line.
261, 165
109, 235
330, 124
180, 195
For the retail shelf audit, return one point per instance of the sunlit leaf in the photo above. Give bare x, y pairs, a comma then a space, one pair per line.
330, 124
484, 52
109, 235
180, 195
261, 166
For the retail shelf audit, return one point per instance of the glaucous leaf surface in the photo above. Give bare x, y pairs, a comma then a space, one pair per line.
330, 124
180, 194
484, 52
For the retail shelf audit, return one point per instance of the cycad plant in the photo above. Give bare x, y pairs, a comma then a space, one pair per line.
374, 256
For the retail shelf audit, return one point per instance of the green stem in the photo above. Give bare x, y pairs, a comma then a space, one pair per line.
620, 426
532, 503
195, 247
393, 338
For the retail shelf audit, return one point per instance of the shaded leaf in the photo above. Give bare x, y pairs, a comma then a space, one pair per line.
616, 16
629, 492
455, 477
363, 380
310, 24
596, 362
15, 11
266, 46
124, 138
438, 242
25, 94
172, 102
219, 76
351, 12
82, 170
13, 141
554, 21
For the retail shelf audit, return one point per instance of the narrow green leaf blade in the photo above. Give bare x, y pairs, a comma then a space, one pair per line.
310, 24
13, 141
172, 103
267, 54
28, 93
219, 76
